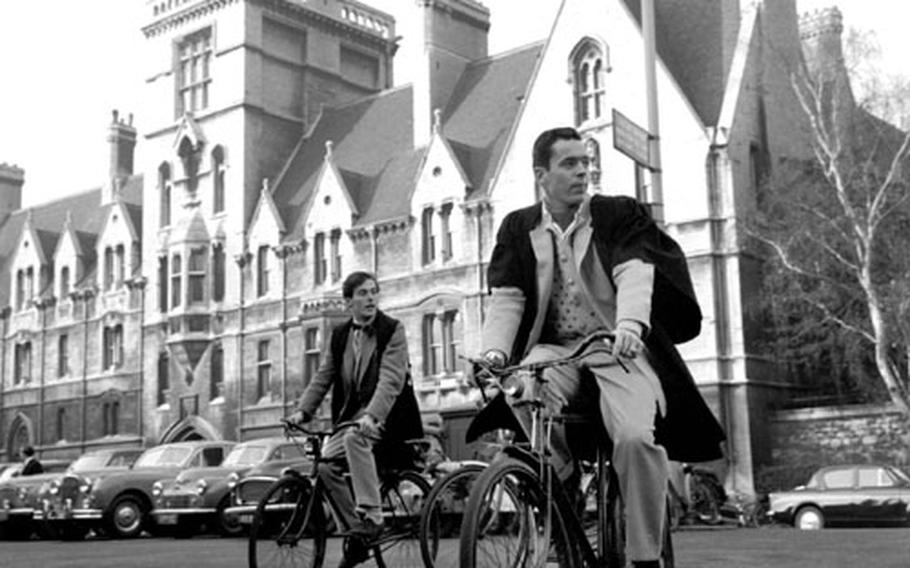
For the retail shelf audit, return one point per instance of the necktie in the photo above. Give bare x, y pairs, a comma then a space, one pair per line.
356, 344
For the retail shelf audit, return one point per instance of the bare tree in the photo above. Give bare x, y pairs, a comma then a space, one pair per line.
839, 228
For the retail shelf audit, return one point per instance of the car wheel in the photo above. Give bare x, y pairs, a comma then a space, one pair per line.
809, 518
126, 519
228, 525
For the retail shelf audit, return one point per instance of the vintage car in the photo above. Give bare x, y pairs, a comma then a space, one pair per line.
199, 496
118, 504
19, 498
61, 494
858, 494
246, 489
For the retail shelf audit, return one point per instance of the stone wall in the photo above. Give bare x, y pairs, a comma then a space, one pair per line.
840, 435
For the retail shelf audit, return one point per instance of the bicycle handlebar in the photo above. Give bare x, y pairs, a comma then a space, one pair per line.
577, 353
290, 427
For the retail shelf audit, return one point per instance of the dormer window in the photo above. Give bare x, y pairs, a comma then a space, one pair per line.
319, 263
218, 179
196, 277
427, 238
64, 282
176, 277
164, 193
335, 246
193, 73
445, 216
20, 289
262, 271
218, 272
108, 268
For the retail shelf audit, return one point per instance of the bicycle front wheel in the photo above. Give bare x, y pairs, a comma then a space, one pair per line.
511, 523
443, 514
403, 496
288, 527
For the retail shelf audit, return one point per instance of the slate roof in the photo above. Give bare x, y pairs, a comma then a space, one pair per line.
373, 142
690, 42
48, 219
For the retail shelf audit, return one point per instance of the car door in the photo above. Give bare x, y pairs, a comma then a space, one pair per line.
881, 495
838, 500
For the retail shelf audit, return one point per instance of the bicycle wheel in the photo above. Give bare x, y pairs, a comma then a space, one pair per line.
288, 527
511, 523
705, 503
403, 496
615, 537
443, 513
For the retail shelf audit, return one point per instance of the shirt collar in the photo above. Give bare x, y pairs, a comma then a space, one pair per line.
581, 219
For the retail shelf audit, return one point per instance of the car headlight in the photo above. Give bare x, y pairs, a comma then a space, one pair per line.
232, 479
22, 493
157, 489
86, 485
54, 487
201, 486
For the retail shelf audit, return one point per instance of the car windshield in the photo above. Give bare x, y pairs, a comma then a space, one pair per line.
898, 473
9, 473
245, 455
157, 457
88, 463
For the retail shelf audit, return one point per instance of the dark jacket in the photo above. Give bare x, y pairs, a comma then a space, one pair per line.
32, 467
622, 231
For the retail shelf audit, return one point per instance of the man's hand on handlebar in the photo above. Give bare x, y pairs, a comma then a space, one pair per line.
299, 417
627, 341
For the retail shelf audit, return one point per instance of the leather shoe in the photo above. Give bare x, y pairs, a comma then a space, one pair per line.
354, 552
367, 530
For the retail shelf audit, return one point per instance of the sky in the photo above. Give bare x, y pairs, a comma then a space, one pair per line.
66, 64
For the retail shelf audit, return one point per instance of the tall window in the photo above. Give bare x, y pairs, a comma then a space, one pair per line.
60, 429
112, 347
428, 239
445, 217
263, 370
64, 282
29, 283
218, 272
22, 364
450, 341
164, 193
262, 271
193, 79
592, 149
216, 373
319, 264
176, 268
589, 75
120, 262
20, 289
195, 293
164, 382
63, 363
108, 267
335, 251
162, 283
310, 354
432, 348
110, 416
218, 179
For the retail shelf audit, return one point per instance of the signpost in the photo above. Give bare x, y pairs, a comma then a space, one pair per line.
631, 139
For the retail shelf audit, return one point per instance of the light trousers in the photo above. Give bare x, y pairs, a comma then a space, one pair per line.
356, 448
629, 401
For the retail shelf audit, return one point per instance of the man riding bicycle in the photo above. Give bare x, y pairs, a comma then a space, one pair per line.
576, 263
365, 363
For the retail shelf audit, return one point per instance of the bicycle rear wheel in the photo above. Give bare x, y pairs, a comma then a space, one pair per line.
288, 527
403, 496
444, 512
614, 553
510, 522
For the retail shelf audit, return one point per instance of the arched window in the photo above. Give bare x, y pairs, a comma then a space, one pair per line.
164, 191
589, 66
60, 429
120, 262
218, 272
163, 378
592, 147
218, 179
20, 289
64, 282
216, 373
176, 268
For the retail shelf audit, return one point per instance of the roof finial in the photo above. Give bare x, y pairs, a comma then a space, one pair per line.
68, 221
329, 146
265, 185
437, 120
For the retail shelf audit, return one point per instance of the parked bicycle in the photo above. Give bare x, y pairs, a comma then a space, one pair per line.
518, 513
289, 524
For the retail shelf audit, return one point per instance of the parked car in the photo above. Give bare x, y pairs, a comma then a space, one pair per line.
60, 495
119, 503
18, 497
858, 494
247, 488
200, 496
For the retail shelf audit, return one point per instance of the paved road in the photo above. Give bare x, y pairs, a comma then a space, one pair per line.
738, 548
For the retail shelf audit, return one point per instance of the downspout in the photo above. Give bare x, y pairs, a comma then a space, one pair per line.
281, 252
84, 296
140, 284
4, 315
241, 260
43, 306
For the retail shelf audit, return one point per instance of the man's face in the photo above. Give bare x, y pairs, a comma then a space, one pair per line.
363, 303
565, 183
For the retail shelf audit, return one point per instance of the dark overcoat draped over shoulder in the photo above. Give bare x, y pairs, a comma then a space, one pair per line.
622, 231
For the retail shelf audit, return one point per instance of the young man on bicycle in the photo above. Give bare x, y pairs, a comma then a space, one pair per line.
365, 363
576, 263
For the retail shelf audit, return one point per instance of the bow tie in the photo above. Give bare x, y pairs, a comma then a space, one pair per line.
367, 329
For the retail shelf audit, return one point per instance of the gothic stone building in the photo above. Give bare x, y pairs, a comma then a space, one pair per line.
190, 295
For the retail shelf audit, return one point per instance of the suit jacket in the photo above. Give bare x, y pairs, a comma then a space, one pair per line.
520, 275
383, 387
32, 467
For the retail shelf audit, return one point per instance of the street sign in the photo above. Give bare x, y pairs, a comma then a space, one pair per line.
631, 139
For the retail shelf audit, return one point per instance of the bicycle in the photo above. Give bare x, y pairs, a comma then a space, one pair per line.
290, 522
538, 522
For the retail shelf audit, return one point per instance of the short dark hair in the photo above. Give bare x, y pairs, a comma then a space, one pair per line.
28, 451
543, 146
354, 280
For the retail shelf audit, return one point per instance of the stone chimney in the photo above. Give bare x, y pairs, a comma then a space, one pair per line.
453, 34
11, 179
122, 141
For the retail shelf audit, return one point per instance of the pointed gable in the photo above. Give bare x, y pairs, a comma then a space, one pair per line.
266, 225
